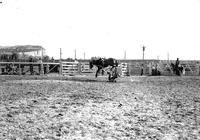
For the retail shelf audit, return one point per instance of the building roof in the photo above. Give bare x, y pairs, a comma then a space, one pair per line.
20, 48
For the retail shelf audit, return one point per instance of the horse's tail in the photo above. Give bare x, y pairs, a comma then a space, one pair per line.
91, 64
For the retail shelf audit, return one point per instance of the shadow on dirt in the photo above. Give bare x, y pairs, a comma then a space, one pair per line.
62, 78
88, 80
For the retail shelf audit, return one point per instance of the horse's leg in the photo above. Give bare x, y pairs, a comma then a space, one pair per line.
97, 72
112, 74
177, 71
112, 68
109, 76
102, 72
180, 71
115, 74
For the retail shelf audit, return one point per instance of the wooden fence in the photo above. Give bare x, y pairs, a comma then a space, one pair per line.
72, 68
191, 68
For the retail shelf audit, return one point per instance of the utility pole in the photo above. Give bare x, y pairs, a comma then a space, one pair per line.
42, 66
168, 56
60, 70
142, 68
75, 54
143, 49
124, 54
60, 54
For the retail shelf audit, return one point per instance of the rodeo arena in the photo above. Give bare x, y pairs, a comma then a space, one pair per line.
42, 98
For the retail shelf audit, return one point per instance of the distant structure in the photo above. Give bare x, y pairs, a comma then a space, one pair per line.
16, 59
34, 50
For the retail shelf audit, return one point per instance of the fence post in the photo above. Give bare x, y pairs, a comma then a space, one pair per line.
47, 68
150, 68
60, 71
79, 67
199, 69
20, 72
0, 69
42, 68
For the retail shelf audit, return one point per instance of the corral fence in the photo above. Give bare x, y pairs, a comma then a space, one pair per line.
33, 68
40, 68
132, 67
190, 68
62, 67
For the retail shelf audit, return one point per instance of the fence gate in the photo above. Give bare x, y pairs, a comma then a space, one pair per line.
85, 68
68, 68
124, 69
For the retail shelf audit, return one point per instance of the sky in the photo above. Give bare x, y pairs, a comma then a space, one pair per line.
106, 28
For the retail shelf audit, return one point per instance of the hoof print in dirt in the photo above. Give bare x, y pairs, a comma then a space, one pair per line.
34, 101
120, 105
9, 115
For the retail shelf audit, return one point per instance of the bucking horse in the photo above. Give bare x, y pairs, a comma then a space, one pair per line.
102, 63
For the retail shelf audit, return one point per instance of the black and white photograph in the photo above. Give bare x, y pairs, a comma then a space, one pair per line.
99, 69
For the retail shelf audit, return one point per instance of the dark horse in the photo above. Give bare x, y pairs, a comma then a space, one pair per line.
177, 69
102, 63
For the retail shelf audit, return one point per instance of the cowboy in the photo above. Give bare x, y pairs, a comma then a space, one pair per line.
113, 74
142, 70
177, 64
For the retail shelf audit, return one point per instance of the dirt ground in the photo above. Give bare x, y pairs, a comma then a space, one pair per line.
84, 108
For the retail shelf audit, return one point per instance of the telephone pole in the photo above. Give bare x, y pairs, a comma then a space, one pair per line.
75, 54
60, 54
60, 70
143, 49
124, 54
168, 56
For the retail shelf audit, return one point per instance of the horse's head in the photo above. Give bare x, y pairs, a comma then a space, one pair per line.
91, 64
